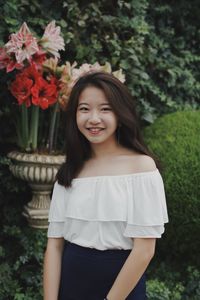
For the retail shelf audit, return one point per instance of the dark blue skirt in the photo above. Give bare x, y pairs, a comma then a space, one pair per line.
88, 274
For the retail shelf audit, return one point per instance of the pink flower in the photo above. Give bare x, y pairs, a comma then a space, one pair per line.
23, 44
52, 41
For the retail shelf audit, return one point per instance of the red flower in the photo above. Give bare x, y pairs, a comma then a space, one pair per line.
21, 89
39, 57
44, 94
8, 61
32, 73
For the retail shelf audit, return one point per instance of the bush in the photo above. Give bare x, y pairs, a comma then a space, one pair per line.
158, 290
192, 285
22, 247
175, 138
166, 283
21, 263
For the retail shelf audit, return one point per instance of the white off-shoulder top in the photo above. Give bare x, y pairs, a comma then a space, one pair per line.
106, 212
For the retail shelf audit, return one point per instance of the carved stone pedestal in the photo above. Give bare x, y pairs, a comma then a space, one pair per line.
39, 170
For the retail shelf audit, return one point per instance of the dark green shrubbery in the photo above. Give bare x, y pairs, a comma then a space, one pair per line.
175, 138
155, 43
158, 290
167, 284
22, 248
21, 266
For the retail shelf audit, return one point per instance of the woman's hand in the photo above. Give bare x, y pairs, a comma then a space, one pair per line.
133, 268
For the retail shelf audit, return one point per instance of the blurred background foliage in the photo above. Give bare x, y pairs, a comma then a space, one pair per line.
156, 43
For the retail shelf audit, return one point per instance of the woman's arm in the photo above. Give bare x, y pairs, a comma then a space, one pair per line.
133, 268
52, 268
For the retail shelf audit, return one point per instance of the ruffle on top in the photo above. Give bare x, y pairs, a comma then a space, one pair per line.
133, 203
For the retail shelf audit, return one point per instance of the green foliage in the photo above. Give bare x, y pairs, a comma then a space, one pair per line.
154, 42
22, 248
21, 266
166, 284
175, 139
158, 290
192, 284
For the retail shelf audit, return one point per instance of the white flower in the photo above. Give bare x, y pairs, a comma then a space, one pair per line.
52, 41
118, 74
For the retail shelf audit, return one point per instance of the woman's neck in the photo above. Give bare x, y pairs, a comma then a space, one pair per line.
105, 150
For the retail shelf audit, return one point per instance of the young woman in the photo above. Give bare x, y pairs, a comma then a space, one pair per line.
108, 204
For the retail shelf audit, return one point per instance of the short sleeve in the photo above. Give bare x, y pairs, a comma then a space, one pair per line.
57, 211
147, 209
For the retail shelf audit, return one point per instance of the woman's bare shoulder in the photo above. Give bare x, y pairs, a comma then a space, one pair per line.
142, 163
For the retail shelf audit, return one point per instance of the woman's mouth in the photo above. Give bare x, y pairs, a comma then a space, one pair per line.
94, 130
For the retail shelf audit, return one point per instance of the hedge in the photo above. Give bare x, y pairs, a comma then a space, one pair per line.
174, 138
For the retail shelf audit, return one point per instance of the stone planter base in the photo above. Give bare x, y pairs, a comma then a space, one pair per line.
39, 171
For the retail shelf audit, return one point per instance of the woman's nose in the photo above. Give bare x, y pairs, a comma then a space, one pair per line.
95, 118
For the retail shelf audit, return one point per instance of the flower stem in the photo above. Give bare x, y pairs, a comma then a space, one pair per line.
52, 126
56, 130
34, 127
24, 126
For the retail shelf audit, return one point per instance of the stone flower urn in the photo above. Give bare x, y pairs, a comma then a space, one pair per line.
39, 171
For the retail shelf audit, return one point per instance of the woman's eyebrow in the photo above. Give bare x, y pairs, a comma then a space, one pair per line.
83, 103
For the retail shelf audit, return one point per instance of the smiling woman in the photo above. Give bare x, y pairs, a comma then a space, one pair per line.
108, 204
118, 103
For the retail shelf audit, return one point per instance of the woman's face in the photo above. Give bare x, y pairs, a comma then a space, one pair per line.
95, 117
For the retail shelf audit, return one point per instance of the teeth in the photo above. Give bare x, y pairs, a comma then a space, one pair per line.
94, 129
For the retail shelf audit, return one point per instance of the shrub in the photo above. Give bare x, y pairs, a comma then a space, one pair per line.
22, 247
166, 283
175, 138
21, 263
158, 290
192, 285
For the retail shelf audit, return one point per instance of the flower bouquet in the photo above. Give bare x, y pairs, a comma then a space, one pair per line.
41, 85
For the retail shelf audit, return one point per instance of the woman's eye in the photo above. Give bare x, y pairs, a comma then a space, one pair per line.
83, 108
106, 108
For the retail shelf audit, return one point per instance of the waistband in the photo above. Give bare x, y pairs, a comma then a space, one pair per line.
111, 253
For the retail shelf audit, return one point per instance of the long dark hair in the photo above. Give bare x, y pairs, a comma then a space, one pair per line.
78, 149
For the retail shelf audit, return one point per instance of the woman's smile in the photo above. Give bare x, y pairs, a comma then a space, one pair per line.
95, 130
